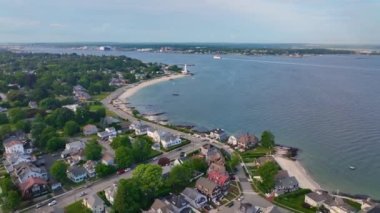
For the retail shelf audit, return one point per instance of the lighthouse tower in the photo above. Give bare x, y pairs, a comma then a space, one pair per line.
185, 71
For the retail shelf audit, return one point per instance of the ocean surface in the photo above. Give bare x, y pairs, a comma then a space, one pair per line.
328, 106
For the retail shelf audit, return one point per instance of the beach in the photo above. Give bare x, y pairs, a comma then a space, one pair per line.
132, 89
295, 169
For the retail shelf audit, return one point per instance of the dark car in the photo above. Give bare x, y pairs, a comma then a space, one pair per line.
120, 171
229, 205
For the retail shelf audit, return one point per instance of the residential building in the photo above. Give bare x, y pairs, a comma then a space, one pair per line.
14, 159
170, 204
80, 93
76, 174
108, 133
168, 140
317, 198
154, 134
2, 109
216, 168
108, 159
215, 156
221, 179
90, 129
90, 168
117, 82
26, 170
285, 185
209, 188
73, 148
139, 128
95, 203
33, 187
110, 193
219, 134
248, 208
337, 205
195, 199
54, 185
13, 145
247, 141
232, 140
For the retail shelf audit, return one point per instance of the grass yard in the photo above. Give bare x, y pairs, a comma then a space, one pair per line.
357, 206
100, 96
250, 155
154, 153
295, 200
77, 207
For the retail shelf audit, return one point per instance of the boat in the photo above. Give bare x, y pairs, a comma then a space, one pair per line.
352, 167
217, 57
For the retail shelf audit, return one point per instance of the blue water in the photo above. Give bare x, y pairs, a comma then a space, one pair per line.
328, 106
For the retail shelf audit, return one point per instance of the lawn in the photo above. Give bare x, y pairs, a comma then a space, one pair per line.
295, 200
357, 206
100, 96
154, 153
77, 207
250, 155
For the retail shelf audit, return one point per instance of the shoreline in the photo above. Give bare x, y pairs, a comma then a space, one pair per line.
296, 169
130, 91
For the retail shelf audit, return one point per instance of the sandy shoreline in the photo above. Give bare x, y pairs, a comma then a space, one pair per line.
295, 169
130, 91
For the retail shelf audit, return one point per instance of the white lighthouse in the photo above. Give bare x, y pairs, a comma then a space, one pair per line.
185, 71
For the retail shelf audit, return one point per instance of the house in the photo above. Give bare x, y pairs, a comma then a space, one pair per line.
72, 107
219, 134
263, 160
90, 168
195, 199
209, 188
80, 93
26, 170
73, 148
215, 156
232, 141
90, 129
33, 187
170, 204
337, 205
13, 145
271, 209
109, 120
95, 203
75, 157
117, 82
14, 159
32, 105
108, 159
221, 179
285, 185
54, 185
247, 141
317, 198
154, 134
248, 208
76, 174
168, 140
216, 168
139, 128
110, 193
108, 133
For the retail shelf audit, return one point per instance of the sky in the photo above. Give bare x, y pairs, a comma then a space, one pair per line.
236, 21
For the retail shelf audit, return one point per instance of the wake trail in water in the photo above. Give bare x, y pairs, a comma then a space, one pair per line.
301, 64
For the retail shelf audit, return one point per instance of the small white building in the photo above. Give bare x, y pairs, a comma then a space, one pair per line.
168, 140
76, 174
110, 193
95, 203
139, 128
108, 133
232, 140
14, 146
72, 107
90, 168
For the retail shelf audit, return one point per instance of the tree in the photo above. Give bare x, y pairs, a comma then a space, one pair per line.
141, 149
82, 115
3, 118
55, 144
267, 139
5, 130
234, 161
149, 178
103, 170
196, 164
16, 114
71, 128
93, 151
122, 140
179, 177
129, 197
12, 201
123, 157
23, 125
58, 170
50, 103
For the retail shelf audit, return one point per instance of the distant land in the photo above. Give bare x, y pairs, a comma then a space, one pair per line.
291, 49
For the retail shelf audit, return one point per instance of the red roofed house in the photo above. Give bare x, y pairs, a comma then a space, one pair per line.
221, 179
247, 141
32, 187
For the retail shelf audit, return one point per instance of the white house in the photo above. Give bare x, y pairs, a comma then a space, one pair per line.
90, 168
139, 128
94, 203
77, 174
168, 140
14, 146
108, 133
232, 140
110, 193
73, 147
195, 199
26, 170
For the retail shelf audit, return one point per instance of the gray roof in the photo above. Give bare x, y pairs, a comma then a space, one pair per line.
318, 196
190, 193
77, 170
166, 136
375, 209
95, 200
177, 201
206, 183
287, 182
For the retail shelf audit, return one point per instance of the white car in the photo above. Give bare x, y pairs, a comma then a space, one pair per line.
52, 203
127, 169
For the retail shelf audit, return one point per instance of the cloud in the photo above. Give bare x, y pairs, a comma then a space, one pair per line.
56, 25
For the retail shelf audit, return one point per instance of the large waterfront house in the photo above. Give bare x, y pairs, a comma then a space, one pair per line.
337, 205
247, 141
219, 134
108, 134
317, 198
209, 188
139, 128
168, 140
285, 185
76, 174
95, 203
195, 199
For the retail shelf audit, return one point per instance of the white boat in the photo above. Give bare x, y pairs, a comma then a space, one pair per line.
352, 167
217, 57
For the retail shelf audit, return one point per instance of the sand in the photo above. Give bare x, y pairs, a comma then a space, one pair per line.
295, 169
132, 89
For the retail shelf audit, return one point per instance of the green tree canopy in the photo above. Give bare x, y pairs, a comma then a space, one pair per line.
122, 140
103, 170
12, 201
129, 197
93, 150
124, 157
55, 144
16, 114
71, 128
3, 118
149, 178
267, 173
58, 170
267, 139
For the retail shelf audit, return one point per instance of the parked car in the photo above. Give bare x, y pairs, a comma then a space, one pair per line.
154, 159
229, 205
82, 194
120, 171
52, 203
127, 169
39, 205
